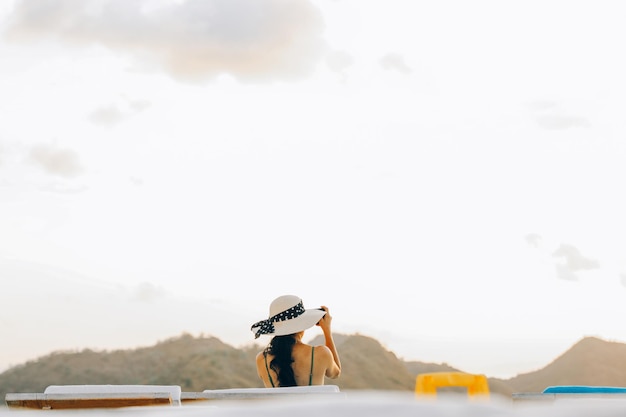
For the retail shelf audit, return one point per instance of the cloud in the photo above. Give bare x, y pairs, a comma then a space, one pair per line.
542, 105
395, 62
107, 116
60, 162
253, 40
563, 272
136, 181
573, 261
549, 116
556, 121
147, 292
138, 105
115, 113
339, 60
533, 239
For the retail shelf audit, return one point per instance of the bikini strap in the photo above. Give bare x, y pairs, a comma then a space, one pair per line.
311, 373
268, 370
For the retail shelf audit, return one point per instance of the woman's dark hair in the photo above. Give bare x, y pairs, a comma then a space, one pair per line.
281, 347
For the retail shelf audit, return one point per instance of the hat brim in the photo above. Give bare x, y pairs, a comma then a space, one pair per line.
304, 321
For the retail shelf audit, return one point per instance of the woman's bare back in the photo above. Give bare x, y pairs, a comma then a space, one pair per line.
302, 361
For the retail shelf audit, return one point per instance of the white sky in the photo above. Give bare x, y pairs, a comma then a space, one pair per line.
446, 176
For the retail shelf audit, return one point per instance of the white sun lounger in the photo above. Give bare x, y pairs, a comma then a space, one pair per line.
96, 396
261, 393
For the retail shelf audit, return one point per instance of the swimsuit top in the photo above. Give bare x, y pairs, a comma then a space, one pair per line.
270, 376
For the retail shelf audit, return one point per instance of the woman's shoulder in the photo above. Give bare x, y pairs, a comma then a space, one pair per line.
260, 357
322, 351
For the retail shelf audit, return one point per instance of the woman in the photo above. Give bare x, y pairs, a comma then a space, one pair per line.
288, 362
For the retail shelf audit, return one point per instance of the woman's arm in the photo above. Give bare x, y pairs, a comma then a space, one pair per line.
261, 370
334, 370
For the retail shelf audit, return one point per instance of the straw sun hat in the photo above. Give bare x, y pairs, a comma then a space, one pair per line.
287, 316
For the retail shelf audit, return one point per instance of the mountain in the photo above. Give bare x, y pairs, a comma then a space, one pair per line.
591, 361
367, 365
193, 363
203, 363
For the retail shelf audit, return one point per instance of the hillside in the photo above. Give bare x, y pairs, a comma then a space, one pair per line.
193, 363
207, 363
204, 363
591, 361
